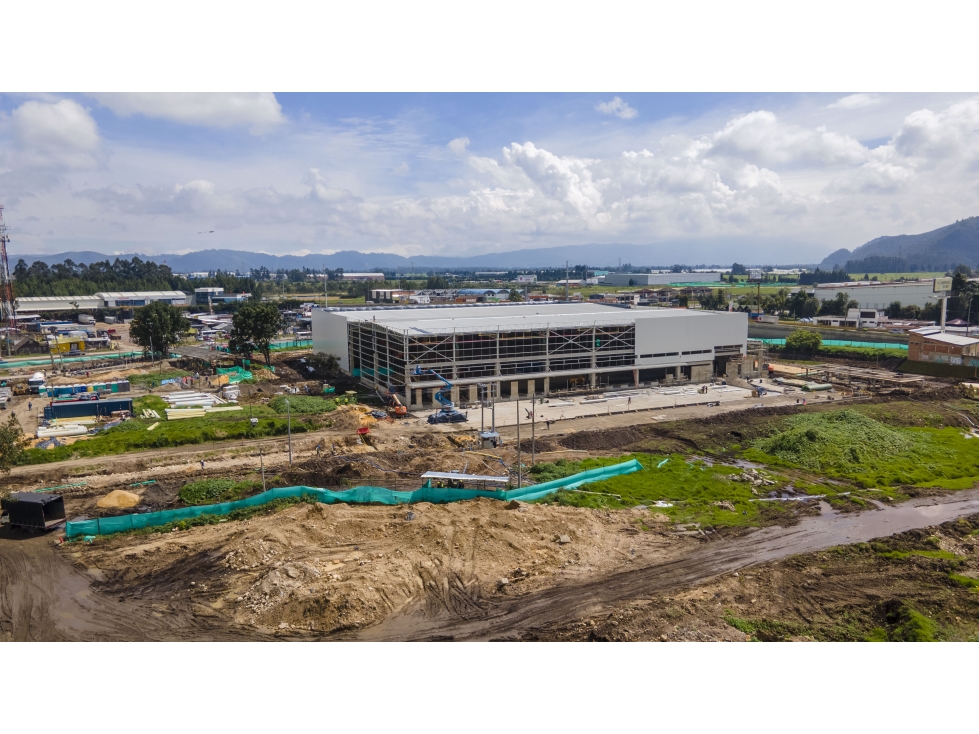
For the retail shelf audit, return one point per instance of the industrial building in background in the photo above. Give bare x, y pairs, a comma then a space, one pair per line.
660, 278
870, 295
128, 299
531, 349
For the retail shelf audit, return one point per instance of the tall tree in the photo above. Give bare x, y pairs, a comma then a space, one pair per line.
12, 443
158, 326
253, 328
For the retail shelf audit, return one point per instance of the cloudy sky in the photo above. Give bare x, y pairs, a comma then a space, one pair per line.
765, 178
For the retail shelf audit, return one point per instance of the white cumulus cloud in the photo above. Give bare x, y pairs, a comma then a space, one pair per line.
854, 102
58, 135
458, 146
259, 111
618, 107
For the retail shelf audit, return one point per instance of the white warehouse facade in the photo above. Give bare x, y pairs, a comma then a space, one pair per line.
527, 349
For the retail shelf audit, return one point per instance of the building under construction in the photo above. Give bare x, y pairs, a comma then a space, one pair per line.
530, 349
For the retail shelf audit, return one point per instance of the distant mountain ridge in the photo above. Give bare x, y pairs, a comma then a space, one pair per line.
662, 254
939, 249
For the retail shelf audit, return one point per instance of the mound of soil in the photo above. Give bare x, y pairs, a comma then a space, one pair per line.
614, 438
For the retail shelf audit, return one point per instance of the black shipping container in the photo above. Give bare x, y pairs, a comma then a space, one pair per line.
33, 510
86, 408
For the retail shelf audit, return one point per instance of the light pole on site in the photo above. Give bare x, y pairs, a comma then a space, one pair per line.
289, 429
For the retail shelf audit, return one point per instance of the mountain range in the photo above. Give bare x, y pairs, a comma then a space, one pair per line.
939, 249
661, 254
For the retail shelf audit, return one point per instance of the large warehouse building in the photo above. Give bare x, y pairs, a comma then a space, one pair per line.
660, 278
880, 295
529, 349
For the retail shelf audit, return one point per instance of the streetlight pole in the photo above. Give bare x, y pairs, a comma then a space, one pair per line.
519, 477
289, 424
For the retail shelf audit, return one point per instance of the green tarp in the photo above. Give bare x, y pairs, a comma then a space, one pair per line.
357, 495
235, 374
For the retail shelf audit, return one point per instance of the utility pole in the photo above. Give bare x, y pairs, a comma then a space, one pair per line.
533, 432
567, 285
519, 475
289, 425
261, 457
326, 293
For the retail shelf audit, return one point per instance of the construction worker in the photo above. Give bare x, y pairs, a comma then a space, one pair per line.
202, 464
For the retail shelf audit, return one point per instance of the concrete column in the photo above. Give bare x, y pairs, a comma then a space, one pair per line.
530, 389
473, 394
514, 389
635, 377
677, 373
408, 396
547, 386
418, 398
592, 379
454, 394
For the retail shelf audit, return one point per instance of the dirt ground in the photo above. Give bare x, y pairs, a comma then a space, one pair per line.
478, 569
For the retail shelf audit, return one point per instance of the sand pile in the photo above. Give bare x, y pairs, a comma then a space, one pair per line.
118, 498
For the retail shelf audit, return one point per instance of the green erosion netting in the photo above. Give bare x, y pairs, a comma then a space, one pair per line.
356, 495
235, 374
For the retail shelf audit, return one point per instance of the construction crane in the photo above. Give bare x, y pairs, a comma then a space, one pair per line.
8, 315
448, 412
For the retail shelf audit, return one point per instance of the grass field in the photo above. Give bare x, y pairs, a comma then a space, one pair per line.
133, 435
851, 445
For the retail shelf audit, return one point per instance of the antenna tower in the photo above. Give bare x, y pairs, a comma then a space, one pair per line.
7, 313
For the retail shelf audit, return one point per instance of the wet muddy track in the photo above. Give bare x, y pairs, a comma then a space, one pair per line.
521, 617
43, 597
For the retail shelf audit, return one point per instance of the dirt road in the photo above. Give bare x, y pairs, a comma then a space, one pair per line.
513, 617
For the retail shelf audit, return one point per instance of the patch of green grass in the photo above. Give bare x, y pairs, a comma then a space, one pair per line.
209, 491
901, 555
909, 625
150, 402
849, 444
133, 436
302, 404
764, 630
692, 487
966, 581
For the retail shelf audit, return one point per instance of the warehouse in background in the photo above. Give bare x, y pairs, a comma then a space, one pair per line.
660, 278
531, 349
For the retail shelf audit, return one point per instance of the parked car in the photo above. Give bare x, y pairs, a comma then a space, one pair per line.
443, 416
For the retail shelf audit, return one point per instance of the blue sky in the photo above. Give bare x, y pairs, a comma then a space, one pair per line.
756, 177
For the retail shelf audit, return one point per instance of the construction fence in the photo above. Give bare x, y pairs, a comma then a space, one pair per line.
356, 495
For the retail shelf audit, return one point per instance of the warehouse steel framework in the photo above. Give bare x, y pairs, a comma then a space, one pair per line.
543, 350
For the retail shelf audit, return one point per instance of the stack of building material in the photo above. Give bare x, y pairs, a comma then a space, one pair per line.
63, 430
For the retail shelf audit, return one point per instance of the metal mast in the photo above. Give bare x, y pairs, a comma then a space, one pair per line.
7, 313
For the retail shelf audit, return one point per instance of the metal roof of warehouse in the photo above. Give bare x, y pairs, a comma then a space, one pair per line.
507, 317
141, 294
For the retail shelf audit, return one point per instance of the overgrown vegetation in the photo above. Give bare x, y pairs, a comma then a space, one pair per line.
209, 491
303, 404
850, 444
694, 490
134, 436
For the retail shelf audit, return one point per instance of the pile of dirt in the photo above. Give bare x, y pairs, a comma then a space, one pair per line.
118, 498
606, 440
315, 570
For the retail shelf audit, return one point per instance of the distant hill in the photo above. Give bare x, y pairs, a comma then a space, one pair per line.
661, 254
940, 249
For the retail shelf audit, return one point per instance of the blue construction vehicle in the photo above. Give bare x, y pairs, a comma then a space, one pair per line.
448, 412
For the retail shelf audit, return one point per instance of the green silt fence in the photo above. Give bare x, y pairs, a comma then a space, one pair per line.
356, 495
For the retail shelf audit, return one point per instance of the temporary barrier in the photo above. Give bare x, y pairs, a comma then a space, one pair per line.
356, 495
235, 374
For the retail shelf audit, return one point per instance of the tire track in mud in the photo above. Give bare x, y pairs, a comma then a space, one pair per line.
43, 597
520, 616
